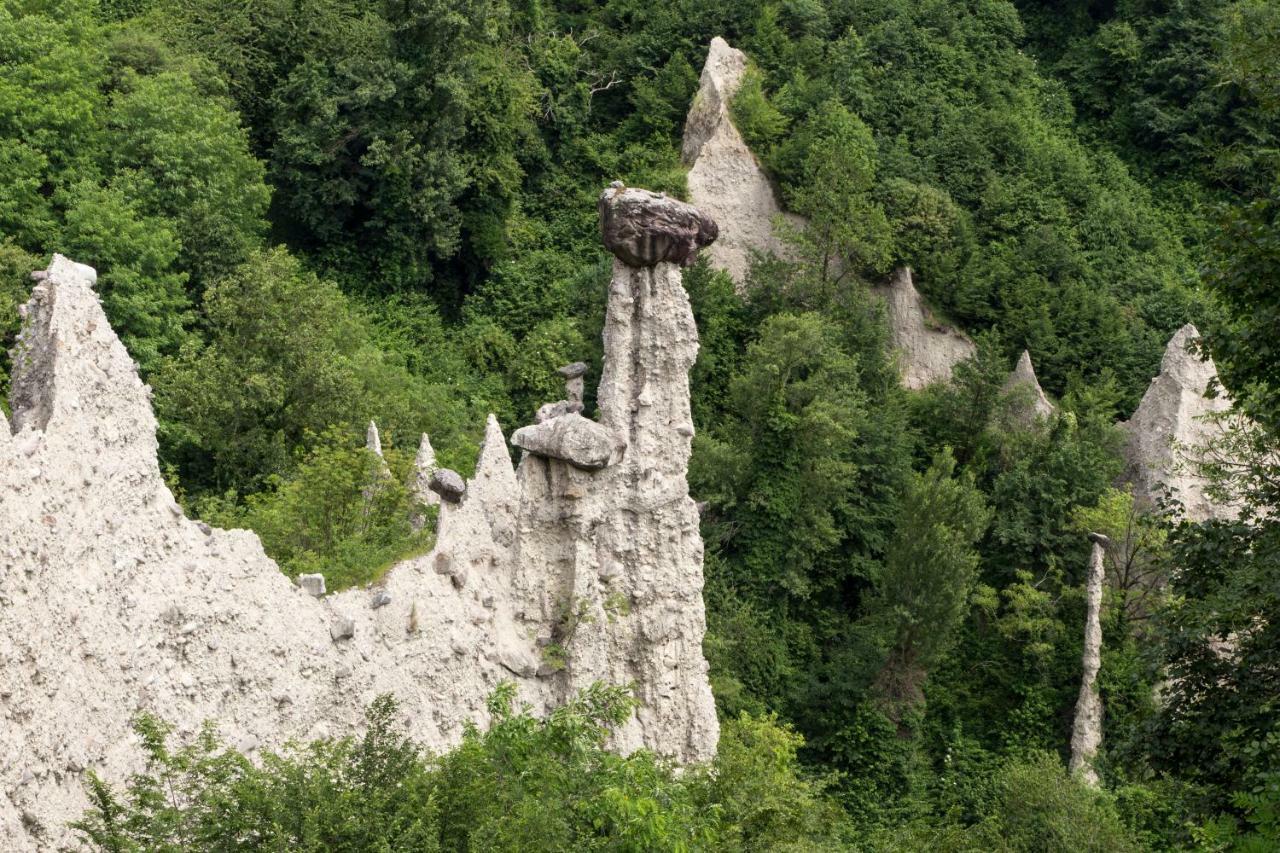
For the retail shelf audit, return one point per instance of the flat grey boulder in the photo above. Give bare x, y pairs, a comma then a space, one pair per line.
448, 484
644, 228
581, 442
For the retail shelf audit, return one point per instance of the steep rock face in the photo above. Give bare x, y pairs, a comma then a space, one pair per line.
927, 350
623, 543
112, 602
1173, 421
621, 546
725, 180
1028, 397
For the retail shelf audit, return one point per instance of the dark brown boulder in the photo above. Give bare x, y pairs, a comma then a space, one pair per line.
643, 228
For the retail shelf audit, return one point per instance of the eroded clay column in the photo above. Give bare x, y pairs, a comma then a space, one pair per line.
1086, 731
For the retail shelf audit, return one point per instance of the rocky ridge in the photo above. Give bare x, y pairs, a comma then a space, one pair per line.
112, 602
727, 182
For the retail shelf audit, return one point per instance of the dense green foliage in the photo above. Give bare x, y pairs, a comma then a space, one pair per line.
521, 784
306, 215
546, 785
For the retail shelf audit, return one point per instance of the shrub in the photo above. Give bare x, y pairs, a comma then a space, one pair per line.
524, 784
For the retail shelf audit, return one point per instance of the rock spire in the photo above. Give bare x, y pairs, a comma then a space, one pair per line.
424, 465
622, 543
1029, 401
373, 439
725, 179
1171, 425
1086, 730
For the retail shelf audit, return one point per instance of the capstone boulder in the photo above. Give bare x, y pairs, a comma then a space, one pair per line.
581, 442
448, 484
644, 228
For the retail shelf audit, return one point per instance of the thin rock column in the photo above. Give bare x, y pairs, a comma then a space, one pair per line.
1086, 731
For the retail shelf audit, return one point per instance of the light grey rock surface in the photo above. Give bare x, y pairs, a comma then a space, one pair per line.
424, 465
1086, 728
927, 349
112, 602
725, 179
622, 545
342, 628
312, 584
1171, 426
572, 438
373, 439
1023, 386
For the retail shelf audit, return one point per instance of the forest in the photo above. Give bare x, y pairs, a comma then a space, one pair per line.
307, 214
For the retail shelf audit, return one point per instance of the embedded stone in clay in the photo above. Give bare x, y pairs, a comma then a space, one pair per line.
342, 628
312, 584
549, 411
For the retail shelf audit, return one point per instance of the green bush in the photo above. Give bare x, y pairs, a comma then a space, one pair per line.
1036, 807
1040, 808
345, 513
371, 793
759, 122
523, 784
